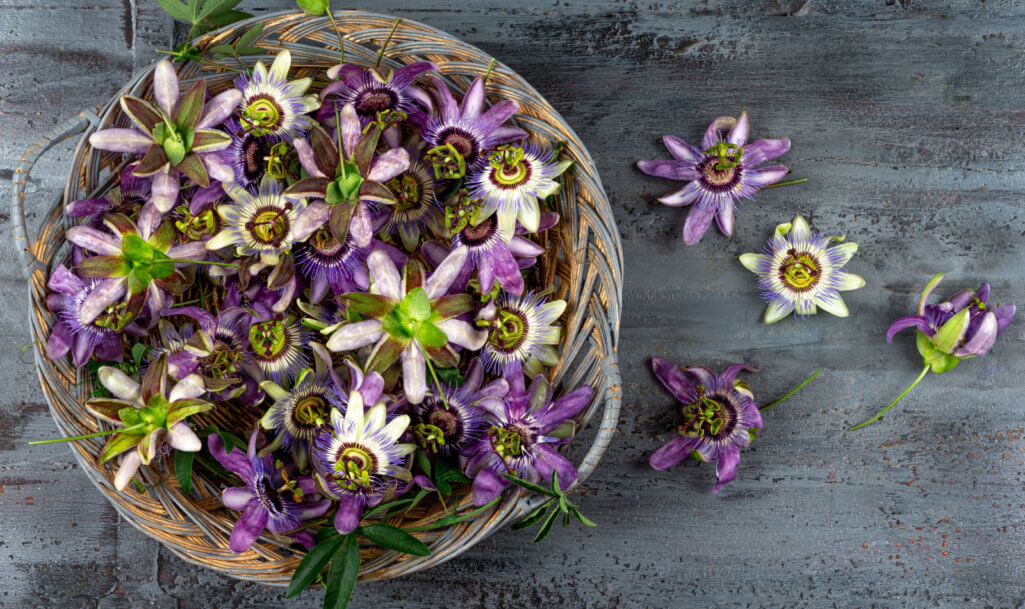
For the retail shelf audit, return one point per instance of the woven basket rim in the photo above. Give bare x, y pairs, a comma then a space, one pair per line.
511, 508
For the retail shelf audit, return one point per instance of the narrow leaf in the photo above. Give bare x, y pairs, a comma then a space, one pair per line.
341, 578
534, 517
546, 528
394, 538
530, 486
456, 518
311, 566
183, 469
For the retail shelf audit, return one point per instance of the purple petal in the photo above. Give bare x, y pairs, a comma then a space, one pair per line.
207, 322
350, 128
94, 240
217, 169
121, 140
102, 296
449, 107
487, 486
408, 73
682, 151
712, 134
250, 525
550, 460
673, 170
473, 101
236, 497
507, 133
524, 248
983, 338
685, 196
907, 322
236, 461
310, 219
307, 158
193, 250
503, 265
165, 86
81, 349
702, 376
673, 452
1005, 314
726, 468
441, 279
388, 165
165, 189
371, 388
759, 151
498, 114
698, 221
424, 482
361, 225
565, 408
60, 340
765, 175
64, 281
738, 134
86, 207
727, 376
674, 379
219, 108
349, 514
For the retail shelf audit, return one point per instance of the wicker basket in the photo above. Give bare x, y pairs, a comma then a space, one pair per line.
583, 263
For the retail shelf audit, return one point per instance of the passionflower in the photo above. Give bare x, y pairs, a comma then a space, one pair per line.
100, 335
359, 458
963, 327
451, 420
278, 345
522, 435
462, 134
151, 417
719, 417
412, 317
375, 91
800, 272
270, 104
416, 206
724, 170
258, 224
137, 260
176, 135
273, 497
513, 180
521, 332
250, 156
346, 178
128, 199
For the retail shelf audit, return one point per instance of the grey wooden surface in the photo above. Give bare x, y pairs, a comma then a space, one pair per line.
907, 119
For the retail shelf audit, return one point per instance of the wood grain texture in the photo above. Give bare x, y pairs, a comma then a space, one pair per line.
906, 116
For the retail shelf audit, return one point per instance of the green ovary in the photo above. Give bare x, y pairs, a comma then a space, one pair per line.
799, 270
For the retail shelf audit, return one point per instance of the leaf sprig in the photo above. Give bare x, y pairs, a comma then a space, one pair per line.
205, 16
549, 511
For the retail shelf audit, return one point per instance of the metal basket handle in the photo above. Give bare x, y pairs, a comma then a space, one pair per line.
70, 128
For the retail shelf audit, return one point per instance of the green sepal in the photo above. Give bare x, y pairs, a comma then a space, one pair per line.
119, 444
952, 332
431, 336
938, 361
104, 266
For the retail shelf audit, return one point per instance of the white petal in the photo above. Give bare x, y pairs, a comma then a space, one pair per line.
126, 471
396, 427
799, 230
777, 311
414, 373
530, 216
221, 240
463, 334
355, 335
849, 281
354, 411
282, 61
847, 251
752, 261
120, 384
181, 437
387, 281
835, 305
189, 387
441, 279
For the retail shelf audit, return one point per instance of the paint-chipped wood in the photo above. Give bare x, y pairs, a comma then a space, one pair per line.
907, 119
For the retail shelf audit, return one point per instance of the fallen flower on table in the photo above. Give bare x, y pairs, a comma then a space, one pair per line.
963, 327
800, 272
719, 416
724, 170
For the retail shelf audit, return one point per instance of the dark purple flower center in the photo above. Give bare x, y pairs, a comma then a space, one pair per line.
254, 152
718, 176
476, 235
709, 416
372, 101
464, 143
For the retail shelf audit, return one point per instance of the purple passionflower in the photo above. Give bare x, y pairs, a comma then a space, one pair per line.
137, 260
719, 417
463, 133
493, 256
273, 497
412, 316
375, 91
963, 327
196, 217
522, 435
339, 268
346, 180
522, 333
100, 335
450, 421
360, 458
131, 195
176, 135
248, 154
416, 205
724, 170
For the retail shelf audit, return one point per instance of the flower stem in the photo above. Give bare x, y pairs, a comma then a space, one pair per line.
792, 391
380, 54
207, 262
787, 183
900, 397
338, 32
434, 375
491, 66
105, 432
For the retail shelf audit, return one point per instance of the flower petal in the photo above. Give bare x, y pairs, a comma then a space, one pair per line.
165, 86
549, 460
698, 221
388, 165
843, 252
777, 310
236, 498
219, 108
487, 486
738, 134
130, 463
759, 151
349, 514
764, 175
121, 140
674, 379
724, 219
355, 335
165, 189
682, 151
752, 261
414, 373
799, 229
463, 334
97, 241
387, 281
236, 461
673, 170
181, 437
848, 281
248, 528
685, 196
441, 279
726, 467
834, 305
673, 452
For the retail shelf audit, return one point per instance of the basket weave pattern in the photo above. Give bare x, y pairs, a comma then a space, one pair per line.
583, 263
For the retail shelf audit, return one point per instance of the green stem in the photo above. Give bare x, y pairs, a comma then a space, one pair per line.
380, 54
338, 32
434, 375
207, 262
900, 397
487, 74
187, 302
204, 61
787, 183
792, 391
106, 432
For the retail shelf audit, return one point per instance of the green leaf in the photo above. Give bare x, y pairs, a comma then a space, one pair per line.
214, 22
312, 7
311, 566
183, 469
431, 336
248, 37
579, 516
456, 518
221, 49
381, 507
534, 517
417, 305
530, 486
341, 578
139, 351
394, 538
248, 50
326, 533
215, 7
546, 528
951, 332
176, 9
451, 377
423, 461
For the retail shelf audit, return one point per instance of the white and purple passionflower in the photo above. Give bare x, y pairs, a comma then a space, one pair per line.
258, 224
271, 104
522, 436
451, 420
467, 129
800, 272
510, 185
72, 332
359, 458
521, 333
376, 90
273, 497
719, 417
724, 171
278, 345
